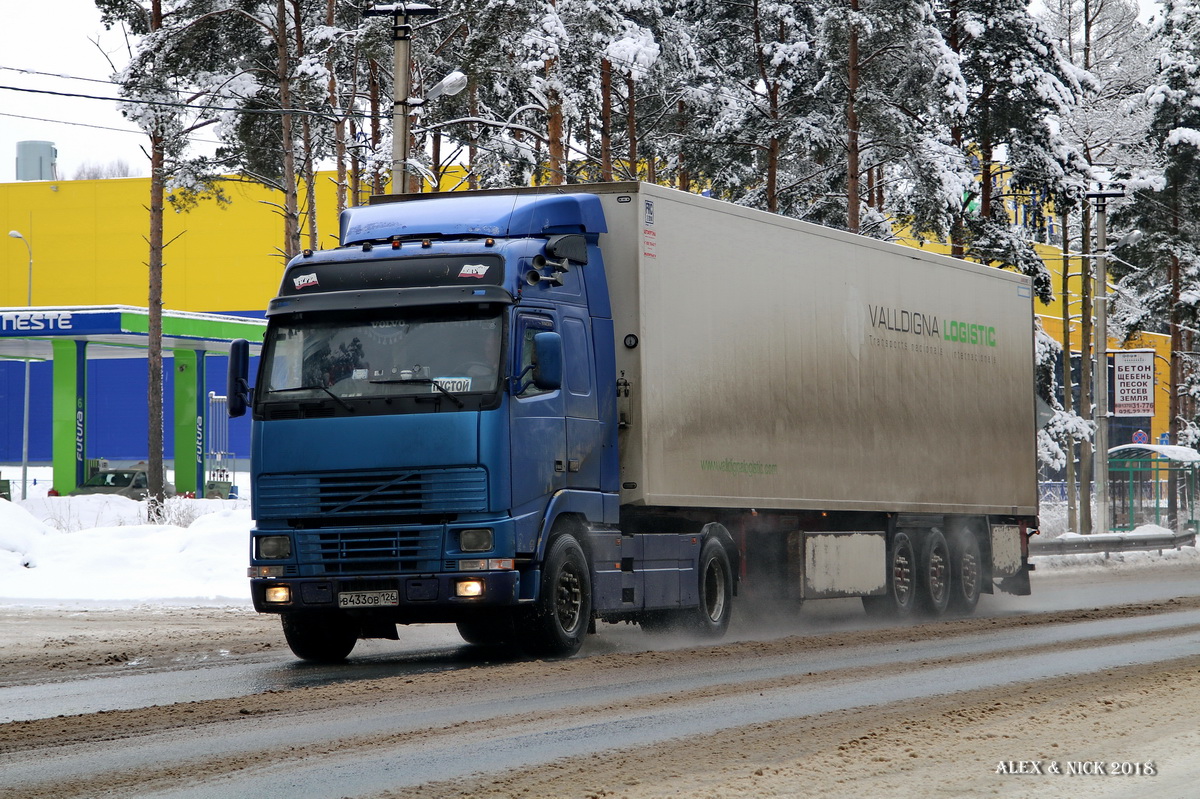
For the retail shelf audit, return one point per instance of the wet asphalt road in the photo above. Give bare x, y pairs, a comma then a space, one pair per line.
432, 648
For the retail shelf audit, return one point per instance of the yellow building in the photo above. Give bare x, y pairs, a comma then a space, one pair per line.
1050, 316
88, 241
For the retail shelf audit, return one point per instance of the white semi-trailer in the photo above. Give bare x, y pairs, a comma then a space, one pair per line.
678, 398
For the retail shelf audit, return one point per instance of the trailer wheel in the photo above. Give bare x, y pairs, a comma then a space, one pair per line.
560, 617
934, 574
319, 637
966, 573
711, 617
901, 596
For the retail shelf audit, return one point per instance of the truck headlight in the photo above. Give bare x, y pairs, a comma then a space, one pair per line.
475, 539
274, 547
278, 594
469, 588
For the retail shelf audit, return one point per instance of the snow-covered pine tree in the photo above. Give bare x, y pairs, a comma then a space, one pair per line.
760, 135
887, 65
1018, 83
170, 86
1165, 207
1105, 40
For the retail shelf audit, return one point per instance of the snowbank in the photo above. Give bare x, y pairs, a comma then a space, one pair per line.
100, 548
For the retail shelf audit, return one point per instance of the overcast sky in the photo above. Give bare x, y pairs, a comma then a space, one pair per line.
61, 37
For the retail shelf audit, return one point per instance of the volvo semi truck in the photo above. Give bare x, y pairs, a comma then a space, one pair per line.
526, 411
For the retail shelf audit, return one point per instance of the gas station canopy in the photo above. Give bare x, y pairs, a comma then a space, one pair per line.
70, 336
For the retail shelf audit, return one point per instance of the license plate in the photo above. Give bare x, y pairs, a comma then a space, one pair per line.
369, 599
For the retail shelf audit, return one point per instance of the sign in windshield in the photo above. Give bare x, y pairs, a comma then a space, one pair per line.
348, 355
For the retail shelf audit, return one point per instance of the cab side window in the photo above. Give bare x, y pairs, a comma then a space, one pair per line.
529, 326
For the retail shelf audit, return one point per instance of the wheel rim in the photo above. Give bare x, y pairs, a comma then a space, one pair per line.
714, 591
939, 573
568, 599
969, 564
902, 574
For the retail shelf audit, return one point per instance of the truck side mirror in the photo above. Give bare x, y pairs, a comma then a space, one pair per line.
548, 361
572, 246
237, 389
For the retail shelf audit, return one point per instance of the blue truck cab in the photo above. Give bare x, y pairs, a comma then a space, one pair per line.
435, 436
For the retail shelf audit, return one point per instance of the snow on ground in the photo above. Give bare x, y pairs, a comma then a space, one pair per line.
99, 549
104, 550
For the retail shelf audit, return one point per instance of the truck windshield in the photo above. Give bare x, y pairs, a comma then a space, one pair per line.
393, 353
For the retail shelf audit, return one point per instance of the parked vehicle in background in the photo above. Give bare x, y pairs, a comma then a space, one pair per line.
132, 483
522, 411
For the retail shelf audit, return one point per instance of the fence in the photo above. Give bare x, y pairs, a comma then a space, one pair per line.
218, 460
1146, 485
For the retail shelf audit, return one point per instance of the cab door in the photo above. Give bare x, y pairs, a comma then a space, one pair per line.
539, 433
584, 431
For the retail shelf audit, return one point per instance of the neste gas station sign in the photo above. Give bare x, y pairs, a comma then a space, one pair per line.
1133, 383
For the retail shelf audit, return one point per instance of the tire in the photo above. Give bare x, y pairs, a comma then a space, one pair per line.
560, 618
934, 579
966, 573
710, 619
901, 597
319, 637
489, 629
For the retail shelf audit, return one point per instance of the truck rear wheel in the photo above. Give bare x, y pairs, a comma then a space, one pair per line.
901, 596
933, 581
966, 573
560, 618
319, 637
711, 617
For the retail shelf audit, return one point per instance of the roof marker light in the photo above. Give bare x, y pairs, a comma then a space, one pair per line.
489, 242
426, 243
395, 244
366, 246
308, 253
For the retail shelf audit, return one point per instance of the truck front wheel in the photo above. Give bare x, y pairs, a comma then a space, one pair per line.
319, 637
560, 618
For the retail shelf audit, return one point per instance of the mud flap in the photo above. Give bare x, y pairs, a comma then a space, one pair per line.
1017, 584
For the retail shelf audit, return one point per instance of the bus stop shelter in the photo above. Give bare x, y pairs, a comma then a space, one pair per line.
1150, 484
72, 336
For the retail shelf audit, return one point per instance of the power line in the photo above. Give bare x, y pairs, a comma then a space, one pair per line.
165, 104
55, 75
77, 124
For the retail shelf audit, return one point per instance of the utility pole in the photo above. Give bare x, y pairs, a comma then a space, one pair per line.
401, 82
1100, 375
25, 414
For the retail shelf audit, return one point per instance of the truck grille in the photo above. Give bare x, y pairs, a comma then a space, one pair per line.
337, 499
369, 550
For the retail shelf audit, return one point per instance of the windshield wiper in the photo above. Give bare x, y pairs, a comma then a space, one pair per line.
336, 398
424, 381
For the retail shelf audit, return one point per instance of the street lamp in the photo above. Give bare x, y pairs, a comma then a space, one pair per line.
25, 417
401, 81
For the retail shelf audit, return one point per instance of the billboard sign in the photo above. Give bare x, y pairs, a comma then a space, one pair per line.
1133, 383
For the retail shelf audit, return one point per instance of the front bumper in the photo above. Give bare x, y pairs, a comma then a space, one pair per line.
424, 597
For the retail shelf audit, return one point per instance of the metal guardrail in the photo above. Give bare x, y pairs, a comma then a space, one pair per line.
1111, 542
